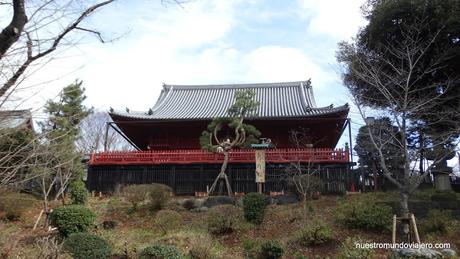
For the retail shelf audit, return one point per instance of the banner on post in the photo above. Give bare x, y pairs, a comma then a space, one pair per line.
260, 166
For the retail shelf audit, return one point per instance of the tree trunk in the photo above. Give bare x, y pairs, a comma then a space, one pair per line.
305, 209
222, 179
47, 212
404, 203
11, 33
224, 164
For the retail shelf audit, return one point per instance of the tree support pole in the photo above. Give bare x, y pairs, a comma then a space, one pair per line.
350, 139
106, 135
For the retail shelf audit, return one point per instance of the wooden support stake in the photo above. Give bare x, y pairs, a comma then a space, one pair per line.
393, 231
414, 227
38, 219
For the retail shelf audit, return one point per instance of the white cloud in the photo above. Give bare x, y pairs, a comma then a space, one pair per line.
200, 23
178, 46
336, 18
275, 63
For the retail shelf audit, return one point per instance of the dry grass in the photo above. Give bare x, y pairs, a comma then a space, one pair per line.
137, 230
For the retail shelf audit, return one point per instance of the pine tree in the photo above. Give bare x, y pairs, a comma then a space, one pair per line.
61, 130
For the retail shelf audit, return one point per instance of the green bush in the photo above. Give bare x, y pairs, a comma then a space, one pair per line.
14, 204
252, 248
271, 250
87, 246
190, 204
156, 195
160, 252
364, 214
201, 250
72, 219
437, 222
223, 219
168, 220
193, 242
314, 233
259, 249
348, 249
78, 192
159, 195
444, 196
136, 194
254, 205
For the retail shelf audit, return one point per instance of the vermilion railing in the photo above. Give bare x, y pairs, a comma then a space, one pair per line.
314, 155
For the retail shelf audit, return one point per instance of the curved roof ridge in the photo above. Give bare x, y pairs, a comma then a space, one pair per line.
303, 97
232, 86
331, 107
277, 100
162, 99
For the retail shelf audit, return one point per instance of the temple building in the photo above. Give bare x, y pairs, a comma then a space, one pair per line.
168, 150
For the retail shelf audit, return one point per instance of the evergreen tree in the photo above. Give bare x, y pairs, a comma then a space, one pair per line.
61, 130
387, 137
227, 133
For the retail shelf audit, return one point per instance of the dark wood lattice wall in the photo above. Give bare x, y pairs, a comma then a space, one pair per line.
188, 179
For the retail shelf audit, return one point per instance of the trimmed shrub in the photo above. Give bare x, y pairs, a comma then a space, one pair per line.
271, 250
314, 234
14, 204
437, 222
364, 214
87, 246
194, 243
223, 219
136, 194
160, 252
254, 205
168, 220
78, 192
159, 195
72, 219
190, 204
348, 249
201, 250
156, 195
252, 248
213, 201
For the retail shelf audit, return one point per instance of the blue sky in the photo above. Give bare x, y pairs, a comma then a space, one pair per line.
208, 41
205, 42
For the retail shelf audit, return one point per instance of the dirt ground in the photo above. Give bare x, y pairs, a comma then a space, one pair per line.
137, 230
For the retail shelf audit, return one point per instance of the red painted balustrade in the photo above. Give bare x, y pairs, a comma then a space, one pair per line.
313, 155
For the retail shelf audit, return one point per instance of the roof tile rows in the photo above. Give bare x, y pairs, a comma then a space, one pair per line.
287, 99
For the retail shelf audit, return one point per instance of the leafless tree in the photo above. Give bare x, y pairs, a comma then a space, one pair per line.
36, 31
398, 87
93, 135
303, 176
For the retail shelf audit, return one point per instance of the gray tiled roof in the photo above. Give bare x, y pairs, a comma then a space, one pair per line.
288, 99
11, 119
